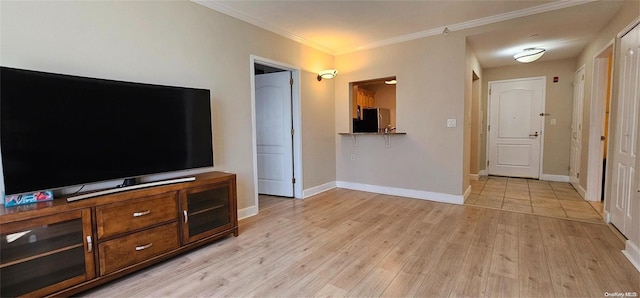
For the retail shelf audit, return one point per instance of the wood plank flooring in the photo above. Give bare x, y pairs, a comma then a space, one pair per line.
266, 201
351, 243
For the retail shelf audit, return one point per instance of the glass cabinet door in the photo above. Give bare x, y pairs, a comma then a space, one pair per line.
206, 211
42, 255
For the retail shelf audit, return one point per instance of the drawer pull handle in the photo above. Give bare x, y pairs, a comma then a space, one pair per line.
89, 244
143, 247
143, 213
186, 216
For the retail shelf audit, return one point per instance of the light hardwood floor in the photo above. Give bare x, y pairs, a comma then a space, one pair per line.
266, 202
351, 243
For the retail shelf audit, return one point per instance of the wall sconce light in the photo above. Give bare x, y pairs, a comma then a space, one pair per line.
327, 74
391, 82
529, 55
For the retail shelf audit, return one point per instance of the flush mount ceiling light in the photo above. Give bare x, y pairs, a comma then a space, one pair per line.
529, 55
327, 74
391, 82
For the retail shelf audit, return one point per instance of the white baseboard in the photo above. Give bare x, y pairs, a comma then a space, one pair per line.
466, 193
581, 191
632, 252
318, 189
555, 178
403, 192
478, 176
247, 212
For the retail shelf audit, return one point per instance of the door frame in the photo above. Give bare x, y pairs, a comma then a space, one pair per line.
542, 132
596, 124
476, 126
296, 113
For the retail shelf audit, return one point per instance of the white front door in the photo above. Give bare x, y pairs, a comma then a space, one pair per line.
625, 150
273, 134
576, 128
516, 110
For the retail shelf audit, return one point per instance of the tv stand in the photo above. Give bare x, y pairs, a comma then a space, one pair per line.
77, 246
125, 188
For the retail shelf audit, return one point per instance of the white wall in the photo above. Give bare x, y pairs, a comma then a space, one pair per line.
430, 89
176, 43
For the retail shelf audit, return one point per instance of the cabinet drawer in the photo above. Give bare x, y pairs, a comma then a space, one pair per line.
125, 251
128, 216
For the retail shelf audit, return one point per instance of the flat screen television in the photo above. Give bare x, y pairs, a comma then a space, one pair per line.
60, 130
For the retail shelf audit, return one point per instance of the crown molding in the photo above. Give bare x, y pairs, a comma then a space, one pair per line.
217, 6
473, 23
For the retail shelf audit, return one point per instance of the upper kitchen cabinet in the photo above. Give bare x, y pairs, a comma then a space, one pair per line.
364, 98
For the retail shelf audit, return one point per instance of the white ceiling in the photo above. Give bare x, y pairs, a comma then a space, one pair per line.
338, 27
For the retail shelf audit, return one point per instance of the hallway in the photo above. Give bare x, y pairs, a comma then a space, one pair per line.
553, 199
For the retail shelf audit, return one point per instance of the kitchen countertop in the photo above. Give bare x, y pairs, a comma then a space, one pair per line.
371, 133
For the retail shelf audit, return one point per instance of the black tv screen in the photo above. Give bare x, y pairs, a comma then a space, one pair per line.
61, 130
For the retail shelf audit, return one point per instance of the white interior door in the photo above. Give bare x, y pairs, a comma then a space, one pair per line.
516, 110
625, 150
273, 134
576, 128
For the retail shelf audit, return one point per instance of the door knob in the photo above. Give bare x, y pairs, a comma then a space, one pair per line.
534, 135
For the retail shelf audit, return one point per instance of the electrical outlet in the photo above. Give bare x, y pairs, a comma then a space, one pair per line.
553, 121
353, 157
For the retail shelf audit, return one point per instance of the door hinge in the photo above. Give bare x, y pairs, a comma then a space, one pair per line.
577, 175
487, 163
583, 77
489, 91
489, 127
292, 131
293, 180
291, 81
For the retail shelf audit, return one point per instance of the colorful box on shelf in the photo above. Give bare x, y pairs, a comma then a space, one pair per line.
40, 196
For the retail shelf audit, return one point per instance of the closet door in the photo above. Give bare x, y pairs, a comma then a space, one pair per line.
625, 148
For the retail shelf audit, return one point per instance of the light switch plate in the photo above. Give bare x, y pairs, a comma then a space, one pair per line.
451, 122
553, 121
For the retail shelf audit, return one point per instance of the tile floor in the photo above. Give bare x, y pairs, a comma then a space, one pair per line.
554, 199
